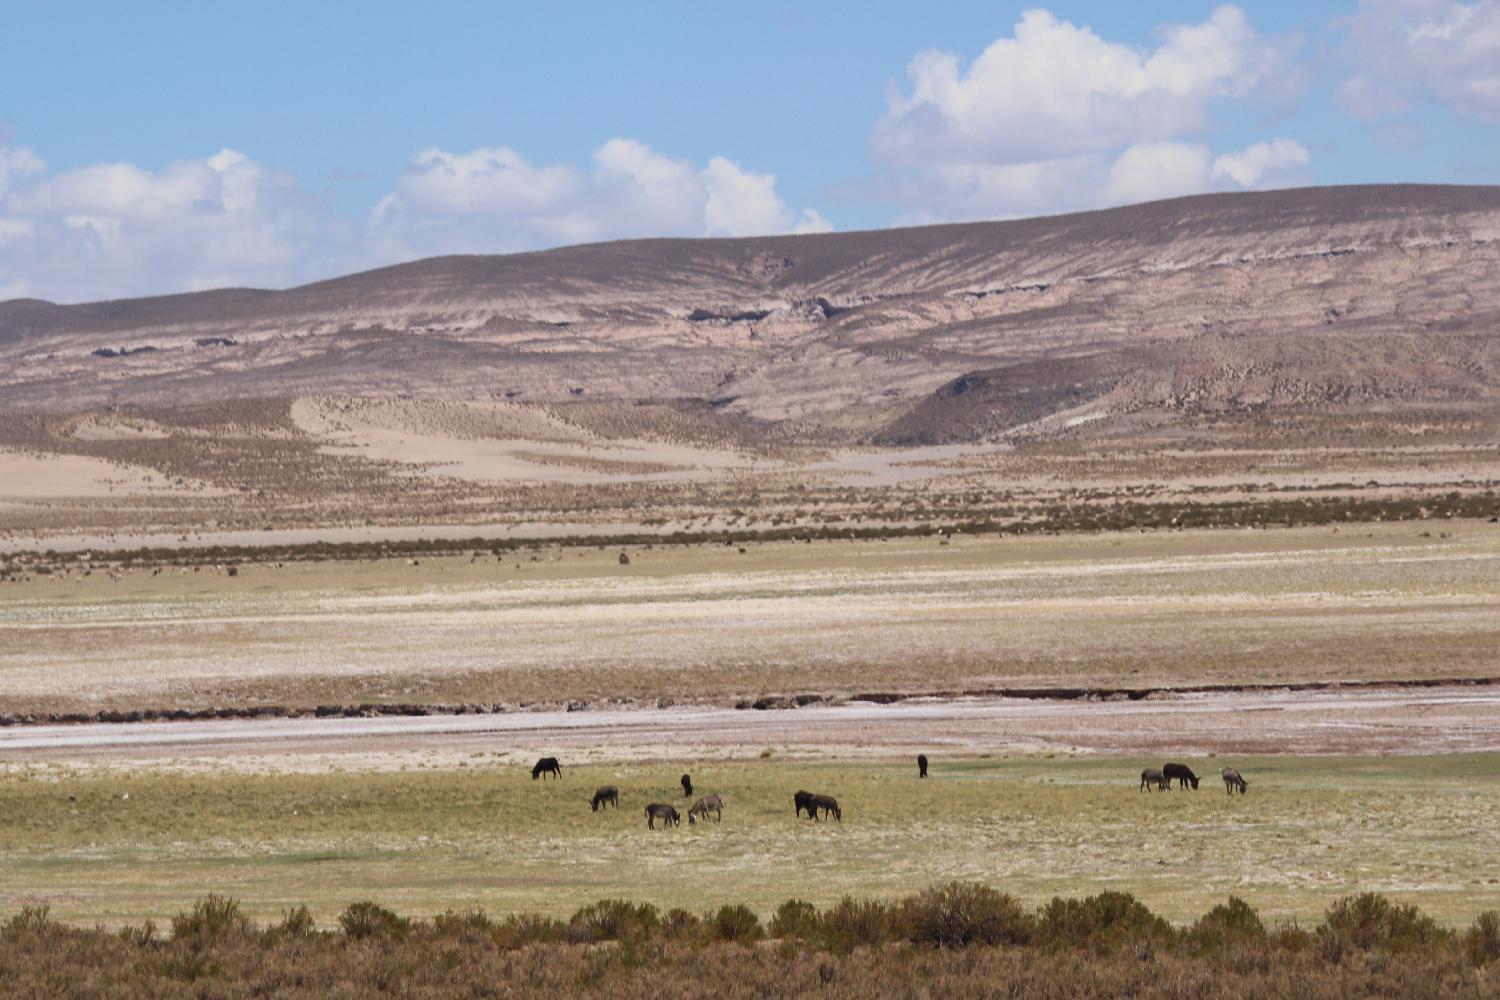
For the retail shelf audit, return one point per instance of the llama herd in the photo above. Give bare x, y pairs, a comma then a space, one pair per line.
824, 806
1163, 777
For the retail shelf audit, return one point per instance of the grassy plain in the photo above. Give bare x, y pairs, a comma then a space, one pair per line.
709, 622
119, 845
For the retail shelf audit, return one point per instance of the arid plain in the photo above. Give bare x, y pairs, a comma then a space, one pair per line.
294, 586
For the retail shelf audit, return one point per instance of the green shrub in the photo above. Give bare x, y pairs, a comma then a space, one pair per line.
1102, 922
366, 919
1369, 921
521, 929
1233, 922
468, 924
211, 918
613, 920
680, 925
963, 913
736, 923
851, 922
1482, 940
797, 919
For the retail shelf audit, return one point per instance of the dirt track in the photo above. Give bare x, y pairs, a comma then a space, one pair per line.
1439, 720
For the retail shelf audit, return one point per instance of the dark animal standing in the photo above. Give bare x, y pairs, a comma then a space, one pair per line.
1153, 776
708, 804
687, 786
828, 804
803, 800
547, 765
609, 795
657, 811
1180, 773
921, 765
1233, 782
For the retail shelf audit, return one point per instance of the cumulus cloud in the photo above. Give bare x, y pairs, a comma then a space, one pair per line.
115, 229
1405, 51
1057, 118
491, 200
1055, 89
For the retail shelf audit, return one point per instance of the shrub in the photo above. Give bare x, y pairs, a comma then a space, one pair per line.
963, 913
366, 919
852, 922
522, 929
736, 923
1370, 921
1105, 921
797, 919
142, 937
468, 924
1482, 940
296, 923
1233, 922
211, 918
31, 920
613, 920
680, 925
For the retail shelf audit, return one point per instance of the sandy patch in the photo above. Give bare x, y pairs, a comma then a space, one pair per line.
36, 477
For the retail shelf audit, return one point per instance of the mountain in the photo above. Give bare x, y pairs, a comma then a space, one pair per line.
1346, 299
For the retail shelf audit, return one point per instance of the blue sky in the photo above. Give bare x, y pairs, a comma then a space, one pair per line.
149, 148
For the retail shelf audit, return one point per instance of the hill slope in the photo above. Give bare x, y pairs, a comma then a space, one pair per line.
1356, 300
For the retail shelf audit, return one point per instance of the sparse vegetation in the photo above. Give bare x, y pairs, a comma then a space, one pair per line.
460, 833
867, 948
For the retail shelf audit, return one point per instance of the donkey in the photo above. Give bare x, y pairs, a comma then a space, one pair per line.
1153, 776
1180, 773
1233, 782
687, 786
708, 804
547, 765
607, 795
828, 804
921, 765
657, 811
803, 800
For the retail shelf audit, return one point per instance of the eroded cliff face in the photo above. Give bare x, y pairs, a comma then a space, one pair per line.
1372, 303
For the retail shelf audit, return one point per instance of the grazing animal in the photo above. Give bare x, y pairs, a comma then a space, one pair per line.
708, 804
547, 765
921, 765
687, 786
608, 795
828, 804
1153, 776
1180, 773
803, 800
658, 811
1233, 782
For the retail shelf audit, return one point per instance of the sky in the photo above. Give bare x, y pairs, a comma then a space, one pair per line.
152, 148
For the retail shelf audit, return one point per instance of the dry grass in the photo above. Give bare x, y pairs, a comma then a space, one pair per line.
123, 845
709, 622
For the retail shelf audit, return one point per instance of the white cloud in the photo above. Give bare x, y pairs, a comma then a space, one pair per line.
1056, 118
1251, 165
1055, 89
493, 200
115, 229
17, 162
1410, 50
1151, 170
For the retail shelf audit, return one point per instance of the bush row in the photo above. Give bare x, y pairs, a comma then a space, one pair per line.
952, 916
